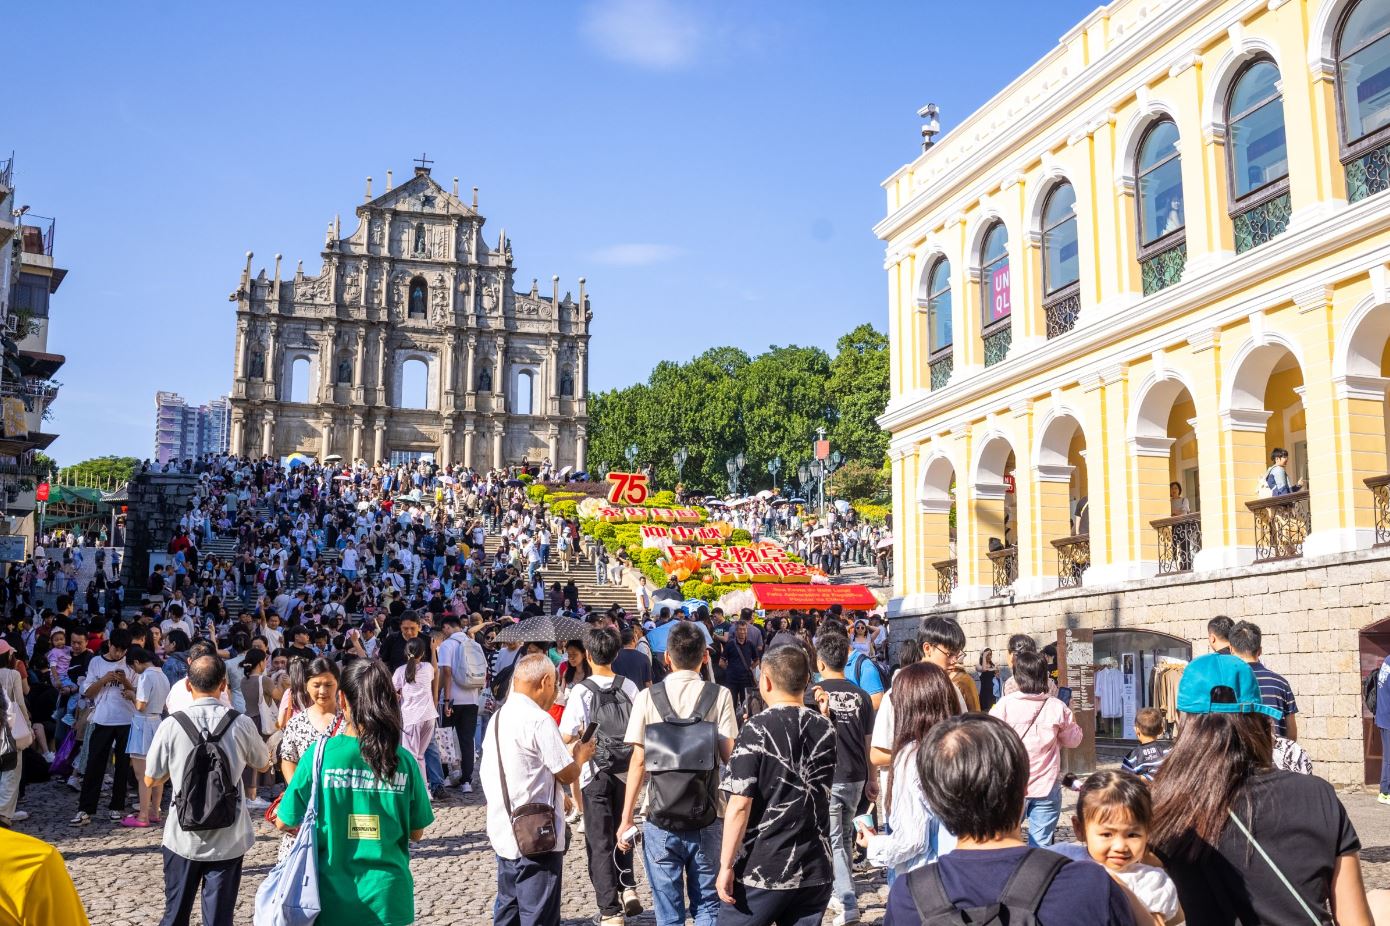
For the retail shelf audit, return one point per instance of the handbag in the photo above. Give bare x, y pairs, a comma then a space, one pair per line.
67, 752
533, 824
1283, 879
289, 895
19, 726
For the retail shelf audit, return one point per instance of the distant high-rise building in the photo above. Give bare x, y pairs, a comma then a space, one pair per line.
182, 430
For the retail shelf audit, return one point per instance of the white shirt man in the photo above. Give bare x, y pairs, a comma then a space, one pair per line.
450, 656
180, 623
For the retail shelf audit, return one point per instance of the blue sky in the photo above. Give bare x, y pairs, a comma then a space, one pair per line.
711, 167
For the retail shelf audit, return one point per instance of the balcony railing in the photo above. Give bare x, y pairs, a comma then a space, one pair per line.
37, 234
1380, 492
946, 578
7, 172
1368, 174
996, 342
1262, 222
1062, 311
1005, 569
1073, 558
1163, 269
1179, 540
1282, 523
941, 369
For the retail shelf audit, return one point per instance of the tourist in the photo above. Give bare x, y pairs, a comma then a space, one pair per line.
1147, 758
606, 699
318, 715
110, 685
987, 679
209, 859
922, 697
739, 660
848, 708
773, 865
1219, 634
415, 686
1247, 643
462, 675
1046, 726
975, 771
681, 833
151, 691
943, 642
1114, 814
525, 762
1267, 846
631, 663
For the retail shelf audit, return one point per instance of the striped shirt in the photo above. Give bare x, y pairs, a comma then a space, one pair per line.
1275, 692
1148, 758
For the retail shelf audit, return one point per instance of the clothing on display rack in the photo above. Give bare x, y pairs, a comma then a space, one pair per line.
1110, 692
1167, 675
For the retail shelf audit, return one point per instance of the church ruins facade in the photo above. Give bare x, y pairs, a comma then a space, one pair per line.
411, 341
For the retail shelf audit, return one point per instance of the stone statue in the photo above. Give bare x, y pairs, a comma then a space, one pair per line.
420, 238
257, 365
345, 371
441, 300
567, 383
489, 299
417, 299
484, 379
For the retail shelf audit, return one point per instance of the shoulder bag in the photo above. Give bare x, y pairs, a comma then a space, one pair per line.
289, 895
533, 824
1283, 879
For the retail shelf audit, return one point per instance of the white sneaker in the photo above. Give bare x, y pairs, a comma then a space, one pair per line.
453, 780
48, 757
80, 819
845, 917
466, 787
257, 803
74, 782
19, 816
573, 817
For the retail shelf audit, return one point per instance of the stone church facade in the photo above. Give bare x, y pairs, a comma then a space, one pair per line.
414, 284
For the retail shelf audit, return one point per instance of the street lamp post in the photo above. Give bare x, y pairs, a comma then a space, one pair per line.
828, 466
734, 467
774, 467
679, 458
631, 454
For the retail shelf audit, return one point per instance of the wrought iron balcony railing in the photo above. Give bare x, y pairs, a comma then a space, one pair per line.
946, 579
1005, 569
1179, 540
1380, 492
1073, 558
1282, 523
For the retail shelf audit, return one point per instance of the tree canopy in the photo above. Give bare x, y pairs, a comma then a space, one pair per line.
724, 402
100, 471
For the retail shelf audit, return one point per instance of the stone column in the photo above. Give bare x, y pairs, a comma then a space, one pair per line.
499, 433
328, 366
270, 370
468, 443
359, 361
581, 369
446, 389
381, 366
267, 434
326, 431
234, 445
470, 386
357, 427
499, 371
446, 442
554, 447
239, 364
379, 444
581, 449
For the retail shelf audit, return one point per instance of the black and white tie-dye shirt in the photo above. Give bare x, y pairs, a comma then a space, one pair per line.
784, 760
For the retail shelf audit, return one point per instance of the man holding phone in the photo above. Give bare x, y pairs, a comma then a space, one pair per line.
598, 710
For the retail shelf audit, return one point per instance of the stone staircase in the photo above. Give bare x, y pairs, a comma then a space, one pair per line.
597, 597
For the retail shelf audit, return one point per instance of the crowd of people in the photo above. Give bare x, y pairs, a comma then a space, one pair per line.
362, 653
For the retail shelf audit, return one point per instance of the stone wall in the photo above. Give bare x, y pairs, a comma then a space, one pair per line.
1310, 610
157, 502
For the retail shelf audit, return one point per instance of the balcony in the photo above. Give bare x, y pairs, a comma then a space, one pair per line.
1282, 523
36, 232
1062, 310
1005, 570
1368, 173
1179, 541
1073, 558
946, 579
941, 368
1380, 492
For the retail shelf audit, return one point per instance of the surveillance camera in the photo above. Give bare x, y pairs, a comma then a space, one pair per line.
929, 110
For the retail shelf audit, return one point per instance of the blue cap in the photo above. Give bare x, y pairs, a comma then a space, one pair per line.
1216, 670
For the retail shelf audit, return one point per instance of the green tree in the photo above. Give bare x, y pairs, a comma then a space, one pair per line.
44, 466
101, 471
859, 480
858, 391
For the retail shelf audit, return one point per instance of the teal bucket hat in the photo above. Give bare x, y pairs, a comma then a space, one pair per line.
1215, 671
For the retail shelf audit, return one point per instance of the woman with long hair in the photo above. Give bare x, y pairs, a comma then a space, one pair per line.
1244, 841
986, 674
314, 685
377, 806
923, 696
418, 688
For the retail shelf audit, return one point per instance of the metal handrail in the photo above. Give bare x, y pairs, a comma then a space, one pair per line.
1380, 493
1005, 569
947, 576
1282, 523
1179, 541
1073, 559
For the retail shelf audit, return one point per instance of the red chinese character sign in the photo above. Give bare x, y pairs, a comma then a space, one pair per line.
627, 488
41, 493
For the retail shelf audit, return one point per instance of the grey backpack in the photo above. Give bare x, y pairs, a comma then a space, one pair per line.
1018, 903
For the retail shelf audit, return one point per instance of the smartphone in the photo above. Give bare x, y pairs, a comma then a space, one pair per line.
589, 731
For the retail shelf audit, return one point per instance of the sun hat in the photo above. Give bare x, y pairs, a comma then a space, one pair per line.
1215, 670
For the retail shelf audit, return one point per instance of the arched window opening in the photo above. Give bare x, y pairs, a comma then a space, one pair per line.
1162, 219
415, 381
1061, 262
299, 380
567, 383
1363, 86
524, 383
1258, 156
995, 304
419, 298
939, 322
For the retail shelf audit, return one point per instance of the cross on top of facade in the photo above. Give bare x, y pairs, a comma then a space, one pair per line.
423, 162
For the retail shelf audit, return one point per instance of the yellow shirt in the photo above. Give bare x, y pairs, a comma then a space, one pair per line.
36, 889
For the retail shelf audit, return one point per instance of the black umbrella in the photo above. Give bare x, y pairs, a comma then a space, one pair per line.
664, 593
544, 628
515, 482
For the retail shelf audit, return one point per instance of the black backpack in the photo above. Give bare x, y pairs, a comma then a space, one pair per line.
209, 796
681, 756
611, 708
1370, 691
1018, 903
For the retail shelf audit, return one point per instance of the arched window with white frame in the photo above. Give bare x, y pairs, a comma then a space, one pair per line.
1257, 156
1363, 92
1162, 213
996, 307
938, 311
1061, 260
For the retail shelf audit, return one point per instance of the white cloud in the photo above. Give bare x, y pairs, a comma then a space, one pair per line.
636, 255
662, 35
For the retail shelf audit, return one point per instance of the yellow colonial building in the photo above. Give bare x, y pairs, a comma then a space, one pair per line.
1159, 255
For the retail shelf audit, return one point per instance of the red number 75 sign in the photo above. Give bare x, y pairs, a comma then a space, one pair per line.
627, 488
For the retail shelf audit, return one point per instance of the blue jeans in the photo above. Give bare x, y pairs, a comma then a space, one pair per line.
434, 768
844, 801
1041, 814
1384, 761
681, 863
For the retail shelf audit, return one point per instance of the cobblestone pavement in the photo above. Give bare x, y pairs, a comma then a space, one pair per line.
118, 871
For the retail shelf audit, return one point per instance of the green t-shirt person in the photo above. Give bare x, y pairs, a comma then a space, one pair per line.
363, 831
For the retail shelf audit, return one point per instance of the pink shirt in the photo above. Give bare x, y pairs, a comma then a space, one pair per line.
1046, 725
